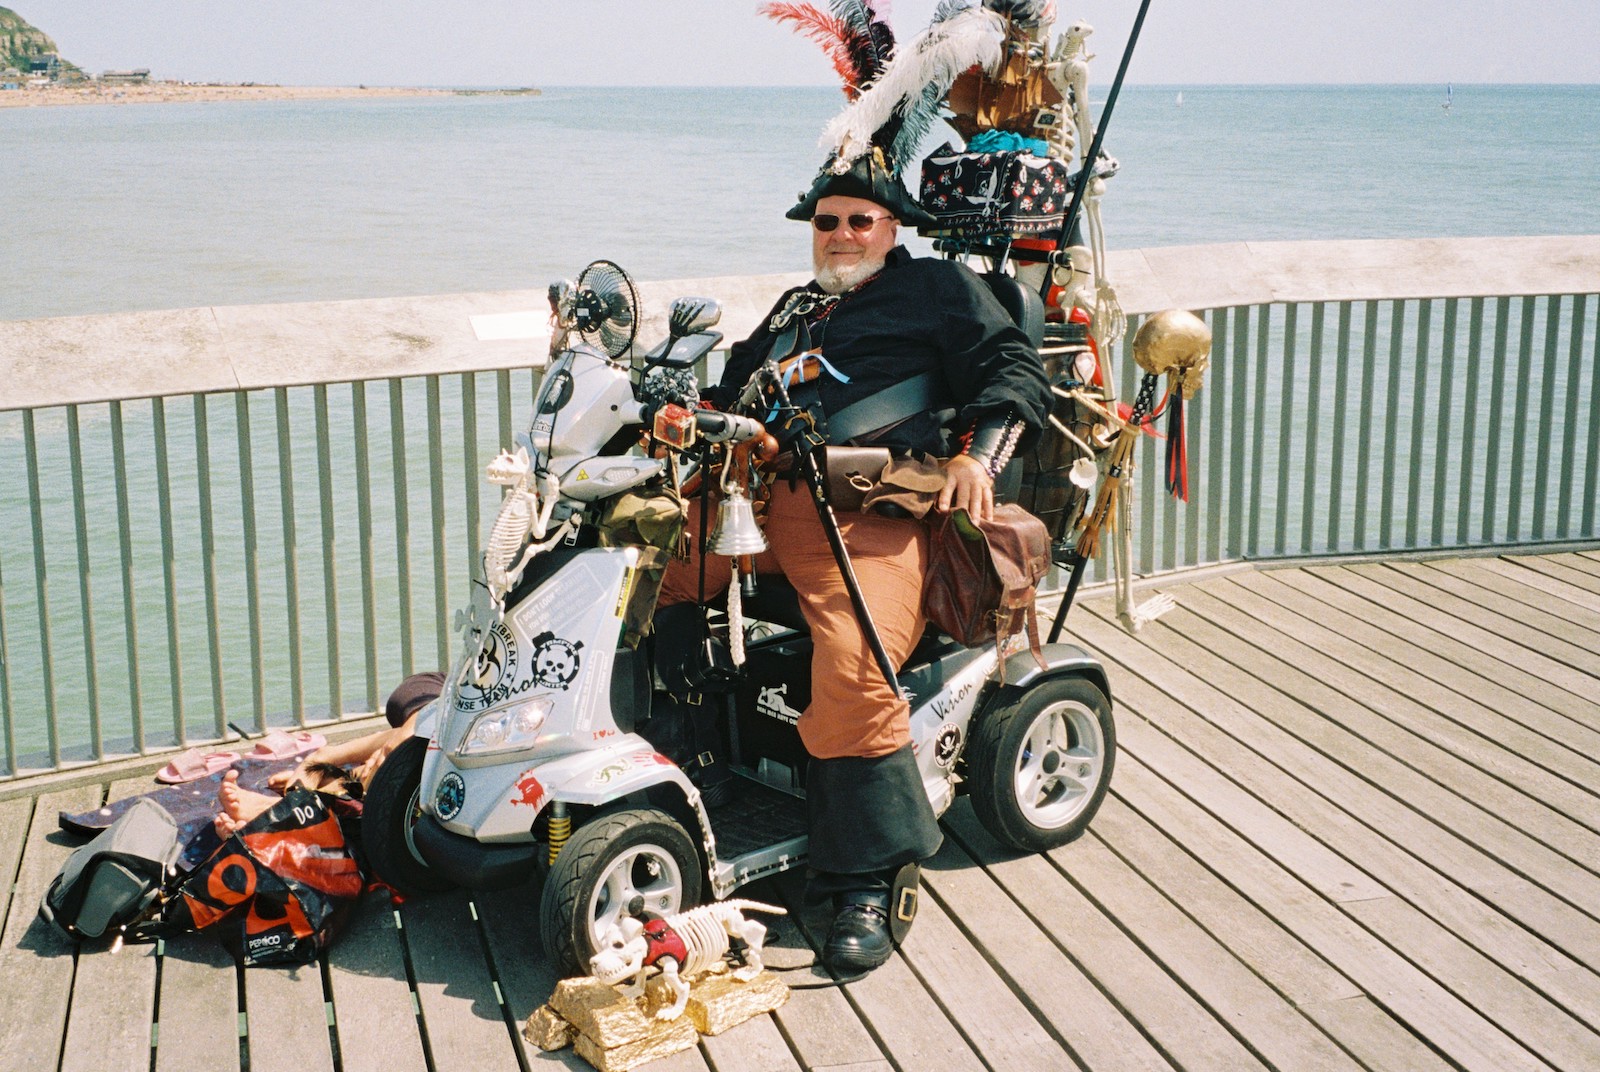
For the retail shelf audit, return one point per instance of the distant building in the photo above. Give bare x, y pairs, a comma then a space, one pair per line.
47, 64
137, 77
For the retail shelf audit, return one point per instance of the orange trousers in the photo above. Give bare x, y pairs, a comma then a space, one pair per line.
853, 712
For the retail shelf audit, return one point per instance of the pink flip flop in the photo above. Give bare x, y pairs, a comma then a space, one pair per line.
194, 764
280, 744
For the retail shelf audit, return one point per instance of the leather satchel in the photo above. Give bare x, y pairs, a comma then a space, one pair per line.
851, 472
982, 576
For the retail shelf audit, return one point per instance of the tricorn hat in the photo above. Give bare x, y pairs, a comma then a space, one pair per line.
869, 177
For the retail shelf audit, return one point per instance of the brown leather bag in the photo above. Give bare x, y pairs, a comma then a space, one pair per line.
982, 576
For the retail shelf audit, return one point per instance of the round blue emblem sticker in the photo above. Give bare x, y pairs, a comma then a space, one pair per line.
452, 794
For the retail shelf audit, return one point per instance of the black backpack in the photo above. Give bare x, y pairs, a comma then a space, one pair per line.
111, 881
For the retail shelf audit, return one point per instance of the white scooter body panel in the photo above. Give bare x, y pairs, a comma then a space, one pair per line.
556, 647
939, 725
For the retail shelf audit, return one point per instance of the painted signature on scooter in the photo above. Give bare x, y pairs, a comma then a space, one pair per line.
946, 706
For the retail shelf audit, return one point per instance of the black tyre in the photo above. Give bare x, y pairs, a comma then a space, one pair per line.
610, 860
392, 805
1040, 766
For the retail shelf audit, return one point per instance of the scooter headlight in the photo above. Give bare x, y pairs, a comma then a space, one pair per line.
507, 730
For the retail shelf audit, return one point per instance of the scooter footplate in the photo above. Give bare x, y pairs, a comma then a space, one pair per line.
759, 816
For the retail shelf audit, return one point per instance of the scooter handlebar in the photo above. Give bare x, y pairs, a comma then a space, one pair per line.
719, 427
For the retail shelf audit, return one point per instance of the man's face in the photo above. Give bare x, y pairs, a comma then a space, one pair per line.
845, 256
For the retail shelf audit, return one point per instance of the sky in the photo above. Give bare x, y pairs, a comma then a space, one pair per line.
724, 42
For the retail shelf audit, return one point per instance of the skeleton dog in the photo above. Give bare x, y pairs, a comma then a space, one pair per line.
682, 945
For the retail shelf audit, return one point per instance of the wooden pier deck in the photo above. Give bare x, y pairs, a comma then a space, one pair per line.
1355, 824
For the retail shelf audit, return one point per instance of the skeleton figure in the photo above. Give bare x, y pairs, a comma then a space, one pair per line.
682, 945
521, 516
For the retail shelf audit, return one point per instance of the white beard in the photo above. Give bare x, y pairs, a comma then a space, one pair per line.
838, 280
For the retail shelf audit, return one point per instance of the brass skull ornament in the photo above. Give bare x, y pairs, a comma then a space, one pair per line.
1177, 343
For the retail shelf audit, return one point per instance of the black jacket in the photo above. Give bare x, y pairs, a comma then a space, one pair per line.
920, 314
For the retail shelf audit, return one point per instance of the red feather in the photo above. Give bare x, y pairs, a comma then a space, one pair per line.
847, 42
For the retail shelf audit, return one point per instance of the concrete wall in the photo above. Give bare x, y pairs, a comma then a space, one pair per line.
183, 351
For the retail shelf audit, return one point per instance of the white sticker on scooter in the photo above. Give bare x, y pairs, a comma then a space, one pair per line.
773, 703
555, 661
489, 678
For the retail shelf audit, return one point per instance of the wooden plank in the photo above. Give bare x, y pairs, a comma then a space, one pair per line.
1344, 725
756, 1045
1474, 731
113, 996
1522, 585
14, 818
1425, 1008
1000, 1028
893, 1004
1579, 562
37, 961
1578, 684
374, 1017
466, 1026
1550, 1032
1374, 1038
1573, 625
286, 1020
1546, 635
1579, 584
821, 1026
1526, 571
198, 1006
1058, 991
1398, 852
1286, 963
1477, 672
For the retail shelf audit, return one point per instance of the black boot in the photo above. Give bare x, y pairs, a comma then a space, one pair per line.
859, 939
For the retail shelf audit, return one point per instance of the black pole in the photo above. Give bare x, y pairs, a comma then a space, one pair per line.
1092, 157
806, 446
1078, 564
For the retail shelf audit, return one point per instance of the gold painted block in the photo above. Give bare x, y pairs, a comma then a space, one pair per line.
547, 1030
717, 1003
665, 1038
599, 1012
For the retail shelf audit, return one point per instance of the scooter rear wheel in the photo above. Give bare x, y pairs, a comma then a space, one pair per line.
392, 804
1041, 765
608, 862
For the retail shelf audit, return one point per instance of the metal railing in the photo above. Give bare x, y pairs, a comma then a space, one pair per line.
284, 555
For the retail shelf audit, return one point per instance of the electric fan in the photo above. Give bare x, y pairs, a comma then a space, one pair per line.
605, 308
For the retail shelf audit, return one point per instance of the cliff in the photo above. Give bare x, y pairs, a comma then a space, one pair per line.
20, 41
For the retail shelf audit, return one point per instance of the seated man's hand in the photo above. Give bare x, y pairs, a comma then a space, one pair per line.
968, 487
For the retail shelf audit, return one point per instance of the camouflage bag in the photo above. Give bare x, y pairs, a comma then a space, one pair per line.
652, 522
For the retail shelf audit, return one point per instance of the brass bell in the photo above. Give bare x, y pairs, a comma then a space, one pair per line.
737, 532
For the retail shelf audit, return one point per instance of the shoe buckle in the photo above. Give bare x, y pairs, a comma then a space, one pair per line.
905, 908
705, 759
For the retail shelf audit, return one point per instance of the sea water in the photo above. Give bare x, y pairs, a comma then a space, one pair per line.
111, 208
118, 207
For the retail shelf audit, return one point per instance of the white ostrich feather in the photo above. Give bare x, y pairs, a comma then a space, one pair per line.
916, 80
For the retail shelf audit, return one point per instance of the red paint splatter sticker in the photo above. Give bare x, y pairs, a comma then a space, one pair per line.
530, 790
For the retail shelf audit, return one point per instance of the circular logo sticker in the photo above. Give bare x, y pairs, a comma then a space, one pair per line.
555, 661
489, 679
946, 745
451, 795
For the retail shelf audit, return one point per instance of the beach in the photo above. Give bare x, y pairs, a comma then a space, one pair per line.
180, 92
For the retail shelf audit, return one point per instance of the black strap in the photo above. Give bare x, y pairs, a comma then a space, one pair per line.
889, 406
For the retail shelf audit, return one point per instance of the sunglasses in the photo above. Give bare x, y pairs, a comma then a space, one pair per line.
859, 222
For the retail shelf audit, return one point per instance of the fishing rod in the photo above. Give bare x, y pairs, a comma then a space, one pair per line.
1077, 560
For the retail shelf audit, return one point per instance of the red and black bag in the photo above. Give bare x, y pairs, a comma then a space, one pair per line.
278, 889
982, 576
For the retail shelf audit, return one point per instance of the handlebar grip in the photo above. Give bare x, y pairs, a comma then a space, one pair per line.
721, 427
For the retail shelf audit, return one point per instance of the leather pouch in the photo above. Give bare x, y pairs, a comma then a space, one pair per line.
851, 472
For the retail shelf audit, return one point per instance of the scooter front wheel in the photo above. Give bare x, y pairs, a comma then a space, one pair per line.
1040, 766
617, 857
391, 806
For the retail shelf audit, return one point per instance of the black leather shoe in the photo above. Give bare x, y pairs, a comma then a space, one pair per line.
859, 939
